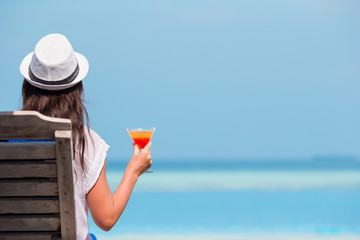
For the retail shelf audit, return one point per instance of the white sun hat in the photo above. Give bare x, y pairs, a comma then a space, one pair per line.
54, 65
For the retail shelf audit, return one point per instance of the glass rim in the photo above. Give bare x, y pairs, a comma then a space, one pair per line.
140, 129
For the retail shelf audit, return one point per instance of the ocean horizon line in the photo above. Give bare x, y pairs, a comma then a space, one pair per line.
252, 159
329, 163
244, 180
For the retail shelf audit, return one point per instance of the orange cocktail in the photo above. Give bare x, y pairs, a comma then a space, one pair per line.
141, 136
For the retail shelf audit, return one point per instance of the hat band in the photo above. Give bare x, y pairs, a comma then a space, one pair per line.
67, 80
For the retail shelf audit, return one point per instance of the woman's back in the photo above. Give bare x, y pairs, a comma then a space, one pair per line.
85, 178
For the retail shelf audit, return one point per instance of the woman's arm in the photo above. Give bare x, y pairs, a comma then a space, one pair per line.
105, 207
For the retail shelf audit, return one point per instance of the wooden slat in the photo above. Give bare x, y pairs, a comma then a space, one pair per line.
28, 205
30, 236
26, 169
14, 188
30, 125
27, 150
29, 223
64, 150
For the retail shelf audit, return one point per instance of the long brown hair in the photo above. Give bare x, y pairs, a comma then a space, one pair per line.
67, 103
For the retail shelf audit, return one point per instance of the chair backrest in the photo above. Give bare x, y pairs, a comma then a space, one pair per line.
36, 177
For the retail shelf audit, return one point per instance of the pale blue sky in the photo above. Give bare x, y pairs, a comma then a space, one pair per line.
219, 79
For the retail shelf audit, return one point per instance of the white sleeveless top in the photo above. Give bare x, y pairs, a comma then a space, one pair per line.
94, 157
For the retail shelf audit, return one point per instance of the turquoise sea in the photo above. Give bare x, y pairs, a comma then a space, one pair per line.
315, 196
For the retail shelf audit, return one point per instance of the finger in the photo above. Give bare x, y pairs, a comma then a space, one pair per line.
136, 149
147, 147
148, 166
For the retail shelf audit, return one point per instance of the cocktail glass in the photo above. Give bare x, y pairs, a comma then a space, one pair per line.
141, 136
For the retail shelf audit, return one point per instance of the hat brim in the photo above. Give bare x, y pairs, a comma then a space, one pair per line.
83, 70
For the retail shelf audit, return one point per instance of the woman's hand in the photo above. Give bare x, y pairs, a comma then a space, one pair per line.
141, 160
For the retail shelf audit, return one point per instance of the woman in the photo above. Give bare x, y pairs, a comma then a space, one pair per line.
53, 86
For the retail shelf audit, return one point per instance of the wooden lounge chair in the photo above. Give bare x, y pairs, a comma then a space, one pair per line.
36, 177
